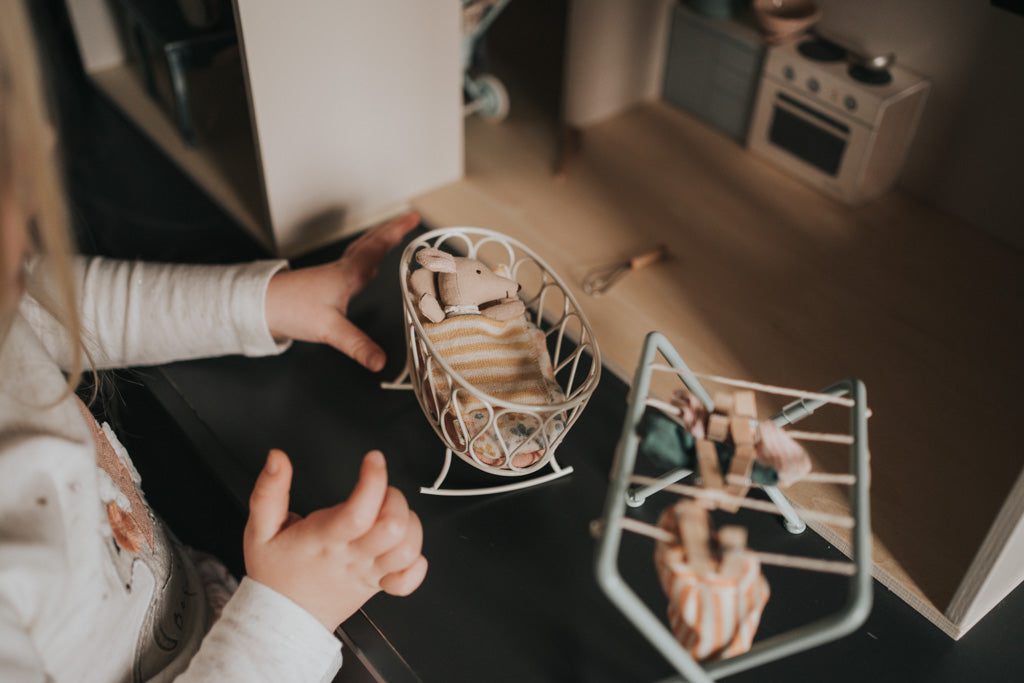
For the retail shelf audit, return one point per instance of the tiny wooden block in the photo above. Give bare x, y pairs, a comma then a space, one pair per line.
743, 461
742, 431
724, 402
744, 404
732, 537
718, 428
696, 532
742, 464
733, 542
707, 465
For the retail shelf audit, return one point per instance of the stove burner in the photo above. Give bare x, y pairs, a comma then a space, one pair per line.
821, 50
870, 76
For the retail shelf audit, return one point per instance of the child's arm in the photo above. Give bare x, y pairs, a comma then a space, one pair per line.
307, 575
136, 313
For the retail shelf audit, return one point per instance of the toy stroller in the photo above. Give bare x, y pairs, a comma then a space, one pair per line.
485, 94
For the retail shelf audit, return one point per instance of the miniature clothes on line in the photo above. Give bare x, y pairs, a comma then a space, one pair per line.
713, 614
666, 444
780, 460
507, 360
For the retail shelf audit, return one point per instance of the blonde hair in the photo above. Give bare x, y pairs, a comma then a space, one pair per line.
30, 173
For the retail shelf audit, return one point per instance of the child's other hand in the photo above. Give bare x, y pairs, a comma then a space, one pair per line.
337, 558
311, 304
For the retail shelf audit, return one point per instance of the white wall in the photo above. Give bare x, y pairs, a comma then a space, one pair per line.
968, 157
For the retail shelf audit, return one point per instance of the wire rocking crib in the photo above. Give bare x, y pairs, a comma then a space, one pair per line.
503, 437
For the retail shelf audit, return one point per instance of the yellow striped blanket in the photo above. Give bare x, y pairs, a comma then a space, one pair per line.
714, 615
509, 361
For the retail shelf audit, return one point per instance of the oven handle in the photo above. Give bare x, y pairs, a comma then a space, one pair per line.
810, 115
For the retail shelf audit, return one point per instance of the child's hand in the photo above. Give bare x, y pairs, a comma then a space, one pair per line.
337, 558
311, 304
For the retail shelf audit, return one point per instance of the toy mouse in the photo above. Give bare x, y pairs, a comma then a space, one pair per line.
461, 286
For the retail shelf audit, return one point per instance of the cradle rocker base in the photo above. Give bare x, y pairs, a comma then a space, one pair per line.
436, 490
402, 383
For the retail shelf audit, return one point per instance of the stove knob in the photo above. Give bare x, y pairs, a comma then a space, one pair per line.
850, 103
813, 85
789, 73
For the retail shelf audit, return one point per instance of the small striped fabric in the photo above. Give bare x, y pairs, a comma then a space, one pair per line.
714, 615
504, 359
507, 360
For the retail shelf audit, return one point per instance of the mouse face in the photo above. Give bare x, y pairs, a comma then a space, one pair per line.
478, 284
465, 281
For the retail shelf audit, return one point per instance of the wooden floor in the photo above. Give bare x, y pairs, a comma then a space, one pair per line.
769, 280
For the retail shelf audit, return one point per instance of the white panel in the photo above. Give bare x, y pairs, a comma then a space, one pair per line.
615, 56
357, 106
98, 42
998, 567
1006, 574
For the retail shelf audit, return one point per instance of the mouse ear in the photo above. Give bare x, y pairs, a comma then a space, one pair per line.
436, 260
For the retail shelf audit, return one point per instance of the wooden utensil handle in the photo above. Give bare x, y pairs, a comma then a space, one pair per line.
647, 258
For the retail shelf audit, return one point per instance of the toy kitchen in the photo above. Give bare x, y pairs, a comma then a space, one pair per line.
810, 102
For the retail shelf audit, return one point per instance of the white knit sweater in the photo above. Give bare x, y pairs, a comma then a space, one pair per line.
74, 606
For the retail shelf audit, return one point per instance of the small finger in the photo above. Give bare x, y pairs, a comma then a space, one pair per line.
390, 528
376, 242
389, 232
403, 555
293, 517
406, 581
354, 517
268, 504
354, 343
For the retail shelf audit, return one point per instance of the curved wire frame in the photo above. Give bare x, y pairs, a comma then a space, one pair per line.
850, 393
445, 395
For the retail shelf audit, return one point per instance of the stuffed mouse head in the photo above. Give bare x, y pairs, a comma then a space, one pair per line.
454, 285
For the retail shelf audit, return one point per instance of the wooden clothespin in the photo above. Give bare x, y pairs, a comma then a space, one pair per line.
695, 532
707, 465
741, 466
744, 404
743, 437
742, 431
724, 402
732, 540
718, 428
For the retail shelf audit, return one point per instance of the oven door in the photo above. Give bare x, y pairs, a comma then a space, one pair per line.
816, 143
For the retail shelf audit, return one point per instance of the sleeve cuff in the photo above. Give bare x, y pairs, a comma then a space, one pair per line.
249, 309
293, 642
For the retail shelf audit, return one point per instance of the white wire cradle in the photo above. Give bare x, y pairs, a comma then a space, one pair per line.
445, 395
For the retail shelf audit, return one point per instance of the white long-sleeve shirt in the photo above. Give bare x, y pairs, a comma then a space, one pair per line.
74, 605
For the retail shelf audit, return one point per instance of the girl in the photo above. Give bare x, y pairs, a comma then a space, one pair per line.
92, 587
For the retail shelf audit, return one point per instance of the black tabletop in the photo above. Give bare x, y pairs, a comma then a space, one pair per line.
511, 595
